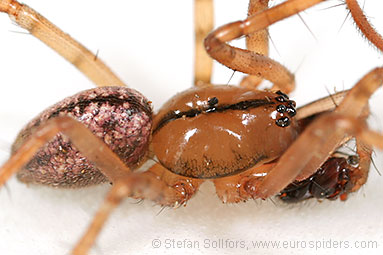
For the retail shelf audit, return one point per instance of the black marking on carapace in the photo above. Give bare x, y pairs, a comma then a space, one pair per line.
243, 105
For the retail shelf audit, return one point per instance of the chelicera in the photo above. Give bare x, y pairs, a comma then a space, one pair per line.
239, 137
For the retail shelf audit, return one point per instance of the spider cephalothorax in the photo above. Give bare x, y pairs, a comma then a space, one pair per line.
218, 131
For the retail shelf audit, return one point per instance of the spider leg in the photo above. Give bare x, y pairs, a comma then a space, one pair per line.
257, 42
363, 24
253, 63
84, 60
93, 148
232, 189
250, 62
353, 105
324, 135
203, 24
156, 184
364, 152
325, 104
307, 147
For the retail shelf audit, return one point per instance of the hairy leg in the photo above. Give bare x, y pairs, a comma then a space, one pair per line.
203, 24
314, 137
250, 62
93, 148
232, 189
325, 104
84, 60
156, 184
361, 21
353, 105
365, 153
257, 42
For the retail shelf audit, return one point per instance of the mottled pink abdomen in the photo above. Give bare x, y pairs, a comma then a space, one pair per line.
120, 116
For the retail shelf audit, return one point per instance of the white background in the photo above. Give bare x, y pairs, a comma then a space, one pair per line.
149, 44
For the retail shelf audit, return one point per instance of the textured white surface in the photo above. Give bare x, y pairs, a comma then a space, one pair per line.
149, 44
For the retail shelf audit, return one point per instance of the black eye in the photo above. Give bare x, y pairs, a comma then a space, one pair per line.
292, 103
281, 108
282, 94
213, 101
292, 112
283, 122
281, 99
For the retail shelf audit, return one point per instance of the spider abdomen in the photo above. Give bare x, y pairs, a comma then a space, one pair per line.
120, 116
218, 131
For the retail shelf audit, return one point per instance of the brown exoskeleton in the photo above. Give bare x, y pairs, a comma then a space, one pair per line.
247, 205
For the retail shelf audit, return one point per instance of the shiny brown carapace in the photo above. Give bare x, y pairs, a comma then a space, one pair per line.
217, 131
252, 144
